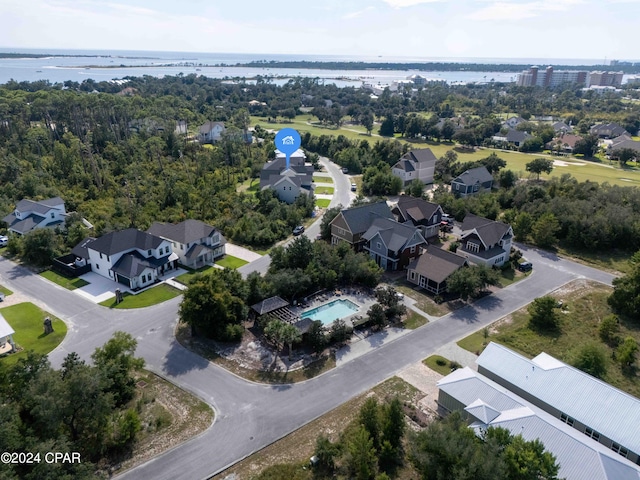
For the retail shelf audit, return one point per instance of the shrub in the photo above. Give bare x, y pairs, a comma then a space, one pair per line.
608, 330
441, 362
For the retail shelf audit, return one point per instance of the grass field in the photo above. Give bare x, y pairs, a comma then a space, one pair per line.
586, 305
249, 186
323, 202
185, 278
322, 179
414, 320
309, 123
438, 364
153, 296
230, 261
5, 290
26, 319
324, 191
68, 283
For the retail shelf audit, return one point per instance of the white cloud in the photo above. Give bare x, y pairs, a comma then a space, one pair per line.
502, 10
407, 3
358, 13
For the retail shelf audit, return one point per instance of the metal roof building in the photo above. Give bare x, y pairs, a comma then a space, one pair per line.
589, 405
487, 404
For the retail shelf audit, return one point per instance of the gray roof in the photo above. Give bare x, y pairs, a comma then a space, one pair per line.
514, 135
416, 209
116, 242
489, 231
579, 456
80, 250
41, 207
473, 176
592, 402
395, 234
24, 225
562, 127
133, 264
405, 165
360, 218
208, 126
437, 264
184, 232
608, 129
624, 142
421, 155
269, 305
195, 251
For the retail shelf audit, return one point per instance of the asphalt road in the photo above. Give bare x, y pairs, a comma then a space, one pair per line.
249, 416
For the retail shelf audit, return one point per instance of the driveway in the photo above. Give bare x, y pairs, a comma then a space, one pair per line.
241, 252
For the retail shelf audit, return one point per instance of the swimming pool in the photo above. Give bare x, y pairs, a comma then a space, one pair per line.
331, 311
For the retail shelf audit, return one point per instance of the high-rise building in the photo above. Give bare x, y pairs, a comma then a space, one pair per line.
550, 77
605, 79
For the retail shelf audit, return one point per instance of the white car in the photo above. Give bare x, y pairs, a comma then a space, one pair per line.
4, 240
354, 187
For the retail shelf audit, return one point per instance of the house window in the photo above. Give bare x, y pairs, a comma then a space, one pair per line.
144, 278
166, 250
591, 433
473, 247
101, 255
498, 260
475, 187
620, 449
181, 247
412, 249
53, 215
148, 252
413, 275
378, 245
567, 419
97, 266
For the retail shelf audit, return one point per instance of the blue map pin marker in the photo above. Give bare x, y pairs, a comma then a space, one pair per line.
288, 141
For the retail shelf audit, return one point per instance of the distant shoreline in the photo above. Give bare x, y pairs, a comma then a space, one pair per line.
18, 56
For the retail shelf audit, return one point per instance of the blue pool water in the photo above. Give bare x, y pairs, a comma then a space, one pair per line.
331, 311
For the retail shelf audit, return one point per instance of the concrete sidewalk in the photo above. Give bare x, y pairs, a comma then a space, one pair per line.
241, 252
364, 345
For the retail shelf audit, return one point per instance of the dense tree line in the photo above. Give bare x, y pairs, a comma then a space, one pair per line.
80, 408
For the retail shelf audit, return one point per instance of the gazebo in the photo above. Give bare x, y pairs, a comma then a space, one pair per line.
6, 336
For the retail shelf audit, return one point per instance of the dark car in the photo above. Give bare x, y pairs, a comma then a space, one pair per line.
525, 266
345, 170
298, 230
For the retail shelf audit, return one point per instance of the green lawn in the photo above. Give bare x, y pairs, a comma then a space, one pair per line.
586, 305
153, 296
249, 186
324, 191
5, 290
185, 278
68, 283
322, 179
26, 319
309, 123
439, 364
511, 275
414, 320
323, 202
229, 261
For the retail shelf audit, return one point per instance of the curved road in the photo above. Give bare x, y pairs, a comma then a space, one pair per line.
249, 416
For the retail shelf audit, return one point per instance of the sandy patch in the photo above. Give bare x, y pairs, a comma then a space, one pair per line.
562, 163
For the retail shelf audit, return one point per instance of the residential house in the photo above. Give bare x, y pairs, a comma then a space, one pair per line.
513, 122
420, 213
512, 137
417, 164
211, 132
562, 127
181, 128
485, 241
30, 215
288, 181
623, 141
131, 257
351, 223
471, 182
564, 143
7, 344
485, 403
589, 405
196, 243
607, 130
391, 244
432, 269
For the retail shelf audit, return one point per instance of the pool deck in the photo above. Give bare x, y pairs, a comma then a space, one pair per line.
360, 296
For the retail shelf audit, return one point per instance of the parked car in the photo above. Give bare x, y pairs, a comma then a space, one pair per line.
525, 266
447, 218
298, 230
354, 187
345, 170
4, 240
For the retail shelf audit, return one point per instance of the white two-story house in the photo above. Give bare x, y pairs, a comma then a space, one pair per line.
211, 132
485, 241
196, 243
30, 215
133, 258
416, 165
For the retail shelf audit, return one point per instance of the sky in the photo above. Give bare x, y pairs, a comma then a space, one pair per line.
580, 29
